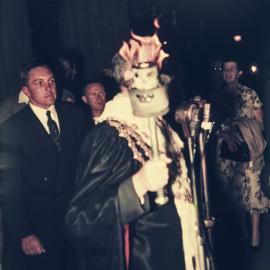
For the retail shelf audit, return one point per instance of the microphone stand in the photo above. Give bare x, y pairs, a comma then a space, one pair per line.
205, 131
189, 120
209, 221
191, 139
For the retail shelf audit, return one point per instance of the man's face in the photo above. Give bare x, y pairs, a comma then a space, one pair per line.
230, 72
95, 97
41, 88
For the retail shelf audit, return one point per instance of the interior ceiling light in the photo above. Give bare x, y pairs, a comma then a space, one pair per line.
237, 38
253, 69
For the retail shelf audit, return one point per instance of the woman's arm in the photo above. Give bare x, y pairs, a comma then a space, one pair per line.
259, 115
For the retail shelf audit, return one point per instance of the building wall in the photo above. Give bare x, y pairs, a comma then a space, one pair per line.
15, 44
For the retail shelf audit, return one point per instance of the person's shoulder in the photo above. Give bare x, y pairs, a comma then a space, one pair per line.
102, 138
68, 108
71, 113
11, 99
16, 119
106, 133
102, 131
13, 127
246, 89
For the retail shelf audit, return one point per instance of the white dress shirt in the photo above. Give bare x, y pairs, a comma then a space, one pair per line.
43, 118
23, 98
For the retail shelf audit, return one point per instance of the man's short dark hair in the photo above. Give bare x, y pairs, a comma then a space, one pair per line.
232, 59
34, 63
90, 81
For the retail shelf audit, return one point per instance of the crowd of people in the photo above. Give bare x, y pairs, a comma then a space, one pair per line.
78, 175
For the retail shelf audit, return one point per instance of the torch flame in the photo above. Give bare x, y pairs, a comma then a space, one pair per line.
143, 49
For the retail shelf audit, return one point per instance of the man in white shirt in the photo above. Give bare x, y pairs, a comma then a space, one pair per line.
39, 153
94, 96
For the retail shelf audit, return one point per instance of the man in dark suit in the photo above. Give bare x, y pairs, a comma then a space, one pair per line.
39, 147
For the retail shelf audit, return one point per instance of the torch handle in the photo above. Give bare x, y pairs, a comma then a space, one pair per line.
161, 197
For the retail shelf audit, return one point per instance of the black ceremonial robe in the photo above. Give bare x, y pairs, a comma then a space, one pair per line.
105, 200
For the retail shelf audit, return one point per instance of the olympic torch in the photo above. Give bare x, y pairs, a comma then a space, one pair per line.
147, 93
149, 99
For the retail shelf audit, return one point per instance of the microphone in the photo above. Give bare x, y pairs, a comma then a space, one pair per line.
194, 122
188, 116
181, 117
206, 112
206, 125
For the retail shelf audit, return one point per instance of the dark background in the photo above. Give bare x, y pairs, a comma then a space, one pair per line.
197, 32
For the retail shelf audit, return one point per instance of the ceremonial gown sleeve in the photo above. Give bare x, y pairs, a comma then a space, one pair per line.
105, 198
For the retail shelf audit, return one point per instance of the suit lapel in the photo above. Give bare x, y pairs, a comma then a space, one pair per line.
35, 127
63, 122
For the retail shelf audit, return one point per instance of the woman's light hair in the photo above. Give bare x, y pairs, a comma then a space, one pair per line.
122, 70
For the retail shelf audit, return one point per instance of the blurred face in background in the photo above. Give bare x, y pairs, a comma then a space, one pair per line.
95, 97
230, 72
40, 87
70, 69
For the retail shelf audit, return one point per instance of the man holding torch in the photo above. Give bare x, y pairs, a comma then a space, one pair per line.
114, 217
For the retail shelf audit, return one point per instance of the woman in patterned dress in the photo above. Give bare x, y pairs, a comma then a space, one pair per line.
240, 178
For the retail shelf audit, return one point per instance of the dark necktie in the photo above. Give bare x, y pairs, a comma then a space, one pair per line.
54, 131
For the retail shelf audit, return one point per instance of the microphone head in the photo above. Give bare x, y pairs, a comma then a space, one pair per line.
206, 112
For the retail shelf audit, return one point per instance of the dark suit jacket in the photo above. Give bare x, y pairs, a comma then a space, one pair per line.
36, 179
9, 107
